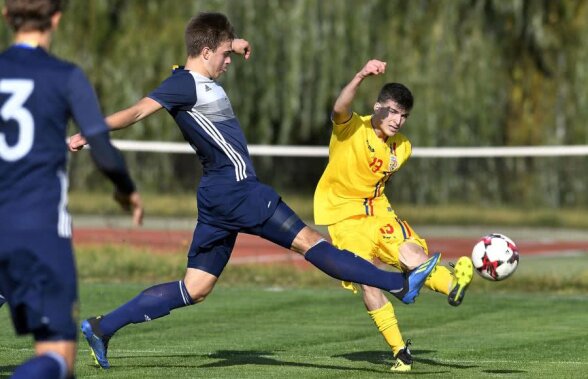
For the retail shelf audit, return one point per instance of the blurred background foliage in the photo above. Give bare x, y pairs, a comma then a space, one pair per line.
483, 72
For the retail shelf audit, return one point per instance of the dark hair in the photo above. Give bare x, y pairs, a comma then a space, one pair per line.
398, 93
31, 15
207, 29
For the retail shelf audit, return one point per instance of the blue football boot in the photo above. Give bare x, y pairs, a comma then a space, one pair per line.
98, 344
415, 279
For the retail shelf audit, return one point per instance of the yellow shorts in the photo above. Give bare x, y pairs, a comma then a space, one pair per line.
372, 237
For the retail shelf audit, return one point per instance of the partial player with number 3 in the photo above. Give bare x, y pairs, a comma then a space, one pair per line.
38, 95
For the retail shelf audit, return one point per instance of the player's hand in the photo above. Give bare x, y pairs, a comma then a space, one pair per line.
241, 47
131, 203
76, 142
373, 67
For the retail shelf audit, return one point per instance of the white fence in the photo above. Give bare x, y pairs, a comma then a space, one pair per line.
323, 151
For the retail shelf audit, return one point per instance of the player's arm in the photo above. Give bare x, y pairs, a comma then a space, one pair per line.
127, 117
342, 108
86, 113
120, 120
241, 47
111, 163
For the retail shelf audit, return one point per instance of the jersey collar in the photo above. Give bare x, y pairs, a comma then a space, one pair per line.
27, 45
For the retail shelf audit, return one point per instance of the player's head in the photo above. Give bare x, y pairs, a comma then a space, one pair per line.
209, 37
32, 15
392, 108
398, 93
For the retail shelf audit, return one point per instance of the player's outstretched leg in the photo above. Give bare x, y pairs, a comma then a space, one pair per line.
152, 303
286, 229
348, 267
464, 272
416, 278
96, 340
403, 361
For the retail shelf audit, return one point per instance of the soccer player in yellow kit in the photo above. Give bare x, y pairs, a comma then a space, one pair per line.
364, 152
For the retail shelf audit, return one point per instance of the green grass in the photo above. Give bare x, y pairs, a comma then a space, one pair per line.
127, 264
278, 322
184, 205
325, 333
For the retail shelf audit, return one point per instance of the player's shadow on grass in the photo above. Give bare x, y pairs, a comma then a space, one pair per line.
247, 357
375, 357
433, 362
227, 358
379, 357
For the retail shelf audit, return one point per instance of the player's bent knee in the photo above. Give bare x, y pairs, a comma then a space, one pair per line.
305, 239
411, 255
199, 293
373, 298
199, 284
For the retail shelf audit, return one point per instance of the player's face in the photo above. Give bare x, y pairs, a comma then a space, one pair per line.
220, 59
389, 118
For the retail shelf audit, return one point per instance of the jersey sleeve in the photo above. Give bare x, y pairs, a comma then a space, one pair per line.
84, 104
176, 93
348, 127
111, 162
346, 123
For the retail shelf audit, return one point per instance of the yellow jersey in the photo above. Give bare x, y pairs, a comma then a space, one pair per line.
360, 164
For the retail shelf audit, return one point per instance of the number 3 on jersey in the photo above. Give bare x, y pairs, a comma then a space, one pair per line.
18, 90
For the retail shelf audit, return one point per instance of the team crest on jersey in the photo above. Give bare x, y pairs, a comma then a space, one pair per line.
393, 163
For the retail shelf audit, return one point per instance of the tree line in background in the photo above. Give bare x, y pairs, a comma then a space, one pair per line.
483, 72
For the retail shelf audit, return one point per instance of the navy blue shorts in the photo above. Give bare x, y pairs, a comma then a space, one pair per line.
212, 245
38, 279
245, 204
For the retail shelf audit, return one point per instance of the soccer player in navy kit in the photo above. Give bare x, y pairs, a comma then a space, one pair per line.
230, 197
38, 95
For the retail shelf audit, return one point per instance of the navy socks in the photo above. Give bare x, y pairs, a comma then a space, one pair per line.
46, 366
152, 303
159, 300
346, 266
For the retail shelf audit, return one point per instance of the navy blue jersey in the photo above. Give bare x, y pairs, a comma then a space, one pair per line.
204, 114
230, 196
38, 95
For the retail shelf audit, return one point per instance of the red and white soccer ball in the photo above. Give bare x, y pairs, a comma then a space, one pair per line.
495, 257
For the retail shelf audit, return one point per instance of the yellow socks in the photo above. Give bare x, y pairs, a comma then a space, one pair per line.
385, 320
441, 280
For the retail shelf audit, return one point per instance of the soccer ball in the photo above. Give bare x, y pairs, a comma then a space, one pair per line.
495, 257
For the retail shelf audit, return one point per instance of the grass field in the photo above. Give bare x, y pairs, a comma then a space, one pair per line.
321, 331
